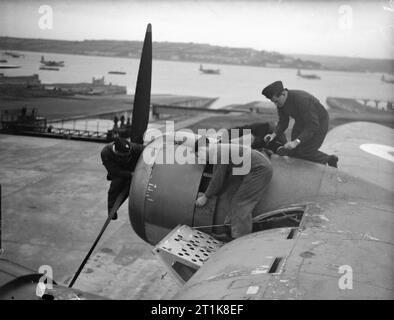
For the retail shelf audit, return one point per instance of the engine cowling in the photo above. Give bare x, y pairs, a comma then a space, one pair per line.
163, 193
163, 196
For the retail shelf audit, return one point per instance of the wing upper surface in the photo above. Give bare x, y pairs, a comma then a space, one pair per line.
365, 150
334, 235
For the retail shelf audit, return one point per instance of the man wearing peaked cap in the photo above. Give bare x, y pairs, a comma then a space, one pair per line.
273, 89
119, 158
310, 126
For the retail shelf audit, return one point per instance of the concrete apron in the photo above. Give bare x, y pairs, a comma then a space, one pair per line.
54, 205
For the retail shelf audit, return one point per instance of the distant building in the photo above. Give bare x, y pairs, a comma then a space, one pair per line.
24, 81
96, 87
98, 81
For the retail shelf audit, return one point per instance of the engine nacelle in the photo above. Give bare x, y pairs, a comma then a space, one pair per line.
163, 196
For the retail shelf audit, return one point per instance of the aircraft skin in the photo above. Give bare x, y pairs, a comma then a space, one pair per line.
347, 227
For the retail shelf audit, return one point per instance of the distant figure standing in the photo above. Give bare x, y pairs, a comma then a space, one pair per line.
119, 158
310, 127
23, 112
122, 120
128, 128
116, 122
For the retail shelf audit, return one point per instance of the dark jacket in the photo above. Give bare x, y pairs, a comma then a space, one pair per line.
120, 166
307, 111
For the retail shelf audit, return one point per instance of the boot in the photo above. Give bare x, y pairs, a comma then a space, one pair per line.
333, 161
224, 237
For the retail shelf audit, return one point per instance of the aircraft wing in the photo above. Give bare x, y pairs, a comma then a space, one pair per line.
366, 151
343, 248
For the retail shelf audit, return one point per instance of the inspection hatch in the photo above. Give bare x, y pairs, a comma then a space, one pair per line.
184, 250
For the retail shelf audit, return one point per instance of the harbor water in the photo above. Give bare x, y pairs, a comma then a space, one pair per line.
235, 84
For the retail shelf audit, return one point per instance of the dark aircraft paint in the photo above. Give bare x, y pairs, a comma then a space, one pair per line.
142, 92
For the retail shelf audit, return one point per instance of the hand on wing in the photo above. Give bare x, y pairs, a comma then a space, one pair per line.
201, 200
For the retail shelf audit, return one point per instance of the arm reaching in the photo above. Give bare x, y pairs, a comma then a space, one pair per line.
217, 181
282, 124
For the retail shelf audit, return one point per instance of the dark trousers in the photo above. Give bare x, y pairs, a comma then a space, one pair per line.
116, 187
310, 149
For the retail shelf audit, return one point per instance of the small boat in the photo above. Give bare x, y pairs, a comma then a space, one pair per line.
49, 68
3, 61
209, 71
307, 76
13, 54
116, 72
51, 63
9, 66
387, 80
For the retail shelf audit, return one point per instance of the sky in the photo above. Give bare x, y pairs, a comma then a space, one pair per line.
343, 28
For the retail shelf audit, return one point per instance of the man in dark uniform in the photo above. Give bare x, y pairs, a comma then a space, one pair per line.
310, 127
252, 184
119, 158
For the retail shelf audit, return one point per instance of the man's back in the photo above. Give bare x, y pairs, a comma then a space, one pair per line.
300, 102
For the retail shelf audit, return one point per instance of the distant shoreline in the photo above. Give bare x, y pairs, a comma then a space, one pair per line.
198, 53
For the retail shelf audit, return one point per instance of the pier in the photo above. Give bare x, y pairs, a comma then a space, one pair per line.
359, 105
27, 122
159, 110
103, 127
378, 104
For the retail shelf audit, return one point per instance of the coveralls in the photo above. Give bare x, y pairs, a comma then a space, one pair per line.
251, 188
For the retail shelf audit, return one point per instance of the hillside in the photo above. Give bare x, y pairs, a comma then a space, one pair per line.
200, 53
351, 63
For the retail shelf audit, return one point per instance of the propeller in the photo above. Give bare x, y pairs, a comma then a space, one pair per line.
141, 106
139, 124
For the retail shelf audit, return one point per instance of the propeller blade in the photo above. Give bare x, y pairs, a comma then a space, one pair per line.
140, 117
